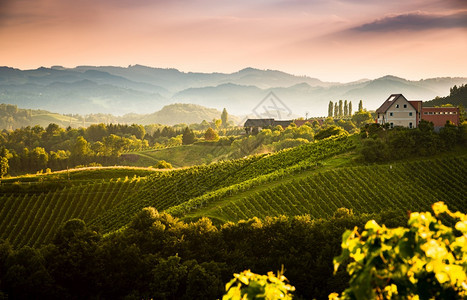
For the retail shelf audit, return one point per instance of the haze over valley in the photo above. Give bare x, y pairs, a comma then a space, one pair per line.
142, 90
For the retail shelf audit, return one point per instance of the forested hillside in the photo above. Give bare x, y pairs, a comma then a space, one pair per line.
457, 96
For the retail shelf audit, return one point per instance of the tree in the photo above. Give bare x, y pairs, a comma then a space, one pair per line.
162, 164
336, 110
360, 105
216, 123
330, 107
350, 108
346, 108
224, 118
38, 158
330, 131
341, 111
3, 166
361, 118
188, 136
80, 147
211, 135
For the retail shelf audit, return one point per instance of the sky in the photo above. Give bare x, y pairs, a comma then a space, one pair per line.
334, 40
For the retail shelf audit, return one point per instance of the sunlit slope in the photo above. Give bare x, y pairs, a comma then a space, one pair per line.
403, 186
200, 184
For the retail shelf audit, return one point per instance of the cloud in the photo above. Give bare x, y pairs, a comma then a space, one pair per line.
415, 22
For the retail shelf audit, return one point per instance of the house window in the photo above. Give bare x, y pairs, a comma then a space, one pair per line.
410, 125
425, 113
410, 114
405, 105
390, 114
397, 105
392, 125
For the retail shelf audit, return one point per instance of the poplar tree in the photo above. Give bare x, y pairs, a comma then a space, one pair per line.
224, 118
341, 112
330, 107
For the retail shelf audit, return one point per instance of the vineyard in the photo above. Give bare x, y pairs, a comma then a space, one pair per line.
179, 191
28, 218
402, 187
290, 182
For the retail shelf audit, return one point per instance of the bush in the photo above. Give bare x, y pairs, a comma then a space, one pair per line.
162, 164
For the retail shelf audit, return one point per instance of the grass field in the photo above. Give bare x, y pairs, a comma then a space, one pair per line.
181, 156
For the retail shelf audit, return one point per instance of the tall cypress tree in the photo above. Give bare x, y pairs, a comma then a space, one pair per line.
350, 108
224, 118
360, 105
346, 109
336, 110
341, 111
330, 107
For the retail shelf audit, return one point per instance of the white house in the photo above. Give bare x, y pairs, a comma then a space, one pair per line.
398, 111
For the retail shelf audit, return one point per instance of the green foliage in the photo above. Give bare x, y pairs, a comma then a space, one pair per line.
457, 97
162, 164
248, 285
361, 118
188, 136
224, 118
3, 166
385, 145
211, 135
330, 131
424, 261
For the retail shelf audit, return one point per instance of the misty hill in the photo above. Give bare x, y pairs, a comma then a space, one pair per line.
12, 117
139, 89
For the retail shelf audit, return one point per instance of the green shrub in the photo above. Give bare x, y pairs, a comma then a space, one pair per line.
162, 164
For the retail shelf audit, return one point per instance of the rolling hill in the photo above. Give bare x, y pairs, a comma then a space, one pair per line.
12, 117
315, 179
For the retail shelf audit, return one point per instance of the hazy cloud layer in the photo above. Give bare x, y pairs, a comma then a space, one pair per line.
416, 21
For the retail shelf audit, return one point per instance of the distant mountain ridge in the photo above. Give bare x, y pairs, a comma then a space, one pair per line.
12, 117
140, 89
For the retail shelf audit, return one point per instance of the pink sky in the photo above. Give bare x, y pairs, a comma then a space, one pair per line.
333, 40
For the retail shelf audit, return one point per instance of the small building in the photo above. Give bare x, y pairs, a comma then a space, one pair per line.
255, 125
398, 111
440, 115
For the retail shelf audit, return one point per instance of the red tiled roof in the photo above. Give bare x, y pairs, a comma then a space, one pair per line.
417, 104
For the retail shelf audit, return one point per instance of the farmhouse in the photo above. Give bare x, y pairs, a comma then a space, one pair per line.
398, 111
